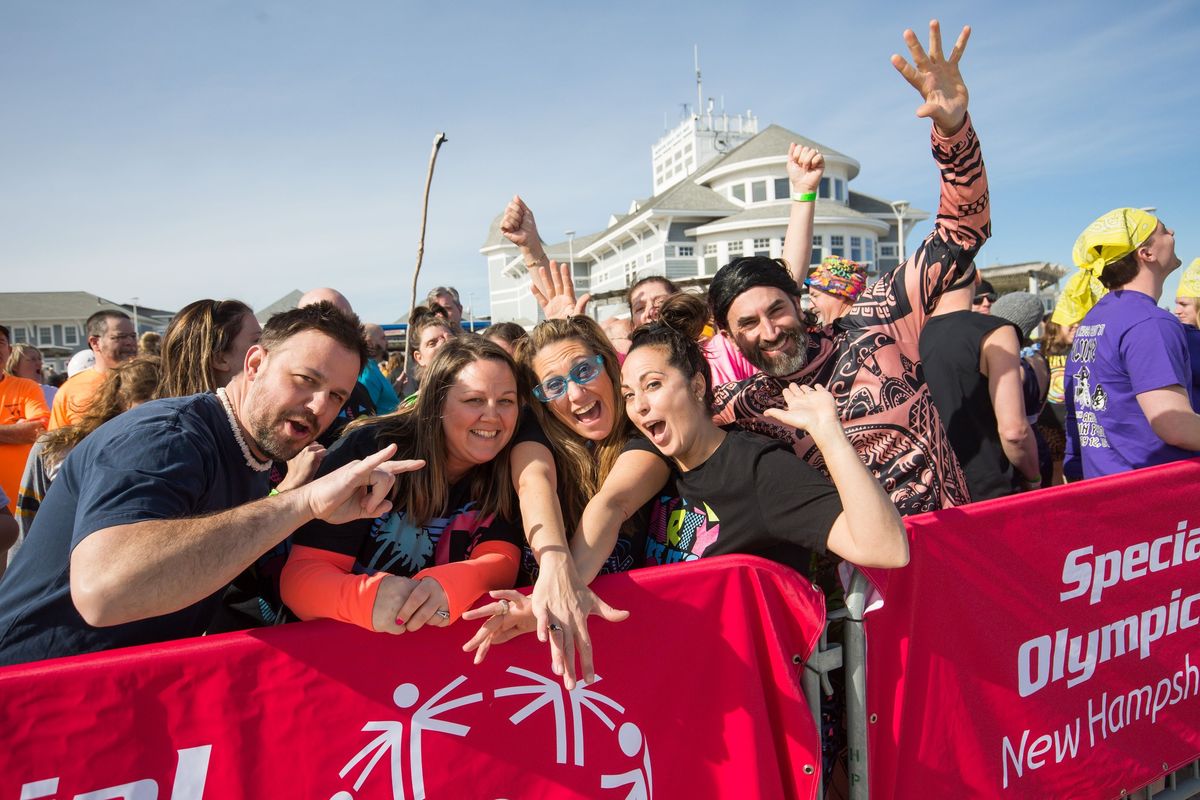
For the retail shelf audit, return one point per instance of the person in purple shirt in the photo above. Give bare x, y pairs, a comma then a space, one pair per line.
1128, 377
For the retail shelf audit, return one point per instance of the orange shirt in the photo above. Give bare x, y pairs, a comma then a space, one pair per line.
74, 398
21, 400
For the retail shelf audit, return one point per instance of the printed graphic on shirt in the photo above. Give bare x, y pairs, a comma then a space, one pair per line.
1088, 399
395, 545
680, 530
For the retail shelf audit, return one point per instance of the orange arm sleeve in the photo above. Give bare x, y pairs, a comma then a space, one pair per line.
493, 565
318, 584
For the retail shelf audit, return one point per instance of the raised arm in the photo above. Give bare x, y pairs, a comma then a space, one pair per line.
963, 223
869, 531
550, 282
805, 165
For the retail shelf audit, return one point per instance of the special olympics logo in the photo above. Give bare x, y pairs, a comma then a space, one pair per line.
570, 710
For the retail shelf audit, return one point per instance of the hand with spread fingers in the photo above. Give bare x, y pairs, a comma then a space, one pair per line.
937, 78
811, 409
554, 289
805, 166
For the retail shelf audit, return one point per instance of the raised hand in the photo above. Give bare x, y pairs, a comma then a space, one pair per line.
554, 290
937, 78
518, 225
810, 409
805, 165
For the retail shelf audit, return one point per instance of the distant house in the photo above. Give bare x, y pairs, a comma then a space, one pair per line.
1039, 278
54, 321
285, 303
721, 192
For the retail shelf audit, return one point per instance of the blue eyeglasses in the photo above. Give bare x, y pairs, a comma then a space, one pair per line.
556, 386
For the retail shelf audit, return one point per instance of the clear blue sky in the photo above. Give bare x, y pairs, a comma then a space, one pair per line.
178, 150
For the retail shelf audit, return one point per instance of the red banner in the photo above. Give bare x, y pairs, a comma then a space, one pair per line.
697, 695
1044, 645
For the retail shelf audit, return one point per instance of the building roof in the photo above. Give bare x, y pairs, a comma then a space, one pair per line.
772, 142
285, 303
52, 305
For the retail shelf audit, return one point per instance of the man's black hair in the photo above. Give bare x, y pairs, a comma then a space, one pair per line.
746, 273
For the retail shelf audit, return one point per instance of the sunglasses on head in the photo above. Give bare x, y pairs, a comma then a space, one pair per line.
555, 386
979, 298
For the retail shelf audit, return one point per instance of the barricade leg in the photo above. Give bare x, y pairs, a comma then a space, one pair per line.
825, 658
855, 658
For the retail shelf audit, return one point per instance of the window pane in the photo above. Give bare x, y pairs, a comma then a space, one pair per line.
856, 248
735, 248
739, 191
758, 191
824, 191
782, 190
815, 257
840, 189
686, 250
18, 335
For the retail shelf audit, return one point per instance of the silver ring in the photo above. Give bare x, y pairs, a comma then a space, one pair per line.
555, 627
503, 607
443, 613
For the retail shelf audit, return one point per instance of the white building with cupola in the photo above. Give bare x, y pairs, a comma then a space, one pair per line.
720, 191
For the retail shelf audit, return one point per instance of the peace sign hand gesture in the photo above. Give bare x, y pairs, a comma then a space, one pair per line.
937, 78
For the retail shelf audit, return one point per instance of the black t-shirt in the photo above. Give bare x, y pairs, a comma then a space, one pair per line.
168, 459
950, 353
390, 543
753, 495
626, 553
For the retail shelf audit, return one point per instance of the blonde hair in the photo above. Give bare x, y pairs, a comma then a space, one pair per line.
14, 358
417, 430
580, 469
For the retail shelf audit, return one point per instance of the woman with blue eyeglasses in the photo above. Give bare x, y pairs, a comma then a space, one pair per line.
575, 437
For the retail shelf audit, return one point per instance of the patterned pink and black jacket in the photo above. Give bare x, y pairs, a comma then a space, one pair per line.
869, 359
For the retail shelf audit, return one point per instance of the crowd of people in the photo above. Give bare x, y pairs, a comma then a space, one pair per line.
233, 474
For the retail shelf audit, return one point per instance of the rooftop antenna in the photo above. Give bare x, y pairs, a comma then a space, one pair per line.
699, 89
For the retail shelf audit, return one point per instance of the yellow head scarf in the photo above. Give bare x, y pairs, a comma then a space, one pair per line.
1082, 292
1112, 237
1189, 284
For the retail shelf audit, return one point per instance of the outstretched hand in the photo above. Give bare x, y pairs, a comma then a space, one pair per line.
805, 165
554, 290
937, 78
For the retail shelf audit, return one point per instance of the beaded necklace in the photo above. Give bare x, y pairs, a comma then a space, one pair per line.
251, 462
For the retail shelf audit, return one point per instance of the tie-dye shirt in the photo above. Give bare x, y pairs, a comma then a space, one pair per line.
869, 359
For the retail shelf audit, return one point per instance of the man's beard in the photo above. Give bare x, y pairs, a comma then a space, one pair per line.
778, 366
276, 446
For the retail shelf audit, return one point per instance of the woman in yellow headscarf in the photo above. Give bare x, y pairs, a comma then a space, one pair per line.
1129, 378
1187, 298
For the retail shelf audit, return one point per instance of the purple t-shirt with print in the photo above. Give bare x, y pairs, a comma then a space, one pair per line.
1126, 345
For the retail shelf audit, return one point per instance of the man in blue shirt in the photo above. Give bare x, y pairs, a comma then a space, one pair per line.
154, 513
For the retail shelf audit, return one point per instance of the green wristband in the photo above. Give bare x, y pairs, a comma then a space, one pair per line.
806, 197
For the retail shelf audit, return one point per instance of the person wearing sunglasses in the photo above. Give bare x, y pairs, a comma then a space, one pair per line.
985, 295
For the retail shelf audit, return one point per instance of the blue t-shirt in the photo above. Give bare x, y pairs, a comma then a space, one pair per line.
168, 459
1126, 345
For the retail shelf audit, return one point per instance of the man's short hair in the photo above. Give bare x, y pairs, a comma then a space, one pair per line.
97, 324
432, 298
743, 274
323, 317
